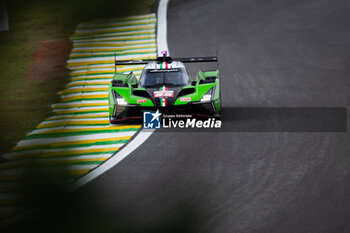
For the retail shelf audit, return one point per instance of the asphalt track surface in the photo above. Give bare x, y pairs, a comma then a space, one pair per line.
260, 178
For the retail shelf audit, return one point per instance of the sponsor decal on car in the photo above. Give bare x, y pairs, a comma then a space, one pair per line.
163, 94
185, 99
163, 102
139, 101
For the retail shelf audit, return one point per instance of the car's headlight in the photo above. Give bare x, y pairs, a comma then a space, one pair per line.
208, 96
120, 100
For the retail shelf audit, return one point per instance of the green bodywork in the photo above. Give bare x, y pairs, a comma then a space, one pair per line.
133, 84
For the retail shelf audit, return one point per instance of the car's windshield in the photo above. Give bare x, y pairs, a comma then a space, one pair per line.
164, 77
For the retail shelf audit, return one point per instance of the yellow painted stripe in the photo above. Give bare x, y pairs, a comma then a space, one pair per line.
111, 128
94, 72
80, 63
88, 83
102, 114
67, 91
109, 76
79, 105
61, 111
114, 44
87, 72
58, 162
71, 123
106, 66
84, 97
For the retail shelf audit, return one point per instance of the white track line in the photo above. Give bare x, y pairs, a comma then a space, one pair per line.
118, 157
143, 135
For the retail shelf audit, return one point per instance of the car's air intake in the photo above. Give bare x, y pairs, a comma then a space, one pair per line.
186, 91
141, 93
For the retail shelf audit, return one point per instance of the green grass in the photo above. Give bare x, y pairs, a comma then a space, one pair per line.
25, 102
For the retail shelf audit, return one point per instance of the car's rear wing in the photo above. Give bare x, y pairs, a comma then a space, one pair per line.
133, 62
196, 59
167, 59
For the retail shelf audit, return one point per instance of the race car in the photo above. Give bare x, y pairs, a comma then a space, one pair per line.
164, 85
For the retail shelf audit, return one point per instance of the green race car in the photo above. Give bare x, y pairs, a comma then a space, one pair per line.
164, 85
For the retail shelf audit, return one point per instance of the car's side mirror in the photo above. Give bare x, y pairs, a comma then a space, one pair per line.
193, 82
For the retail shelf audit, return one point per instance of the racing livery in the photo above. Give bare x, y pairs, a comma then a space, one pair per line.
164, 85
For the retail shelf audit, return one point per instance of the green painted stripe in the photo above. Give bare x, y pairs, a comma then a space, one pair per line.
91, 74
85, 84
82, 83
